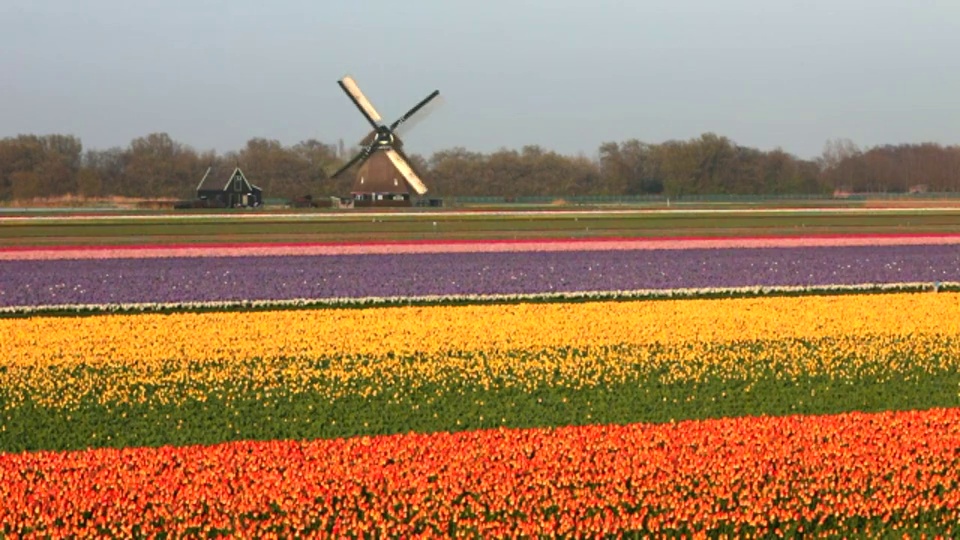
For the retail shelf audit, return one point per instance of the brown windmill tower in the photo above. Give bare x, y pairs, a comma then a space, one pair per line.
386, 176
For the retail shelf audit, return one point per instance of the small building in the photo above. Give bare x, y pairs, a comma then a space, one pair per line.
236, 192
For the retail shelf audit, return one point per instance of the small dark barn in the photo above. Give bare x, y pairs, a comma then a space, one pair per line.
236, 192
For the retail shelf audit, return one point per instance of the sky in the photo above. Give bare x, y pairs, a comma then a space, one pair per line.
567, 75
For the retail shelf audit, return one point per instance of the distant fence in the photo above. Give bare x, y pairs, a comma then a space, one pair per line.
548, 200
662, 199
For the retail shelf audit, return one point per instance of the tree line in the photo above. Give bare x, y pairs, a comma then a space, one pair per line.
155, 166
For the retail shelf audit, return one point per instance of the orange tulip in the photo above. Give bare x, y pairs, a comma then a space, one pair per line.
893, 470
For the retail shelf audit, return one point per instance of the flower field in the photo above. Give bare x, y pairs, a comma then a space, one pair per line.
779, 414
871, 474
216, 274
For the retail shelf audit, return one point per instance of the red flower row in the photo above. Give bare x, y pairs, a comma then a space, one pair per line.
746, 475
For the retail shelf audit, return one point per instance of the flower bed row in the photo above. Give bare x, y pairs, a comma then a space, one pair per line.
30, 283
187, 403
153, 379
472, 299
379, 331
852, 474
466, 246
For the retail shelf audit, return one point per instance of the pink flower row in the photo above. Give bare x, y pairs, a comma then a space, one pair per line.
469, 246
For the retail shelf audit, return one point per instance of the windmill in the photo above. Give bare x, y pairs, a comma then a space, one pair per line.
386, 175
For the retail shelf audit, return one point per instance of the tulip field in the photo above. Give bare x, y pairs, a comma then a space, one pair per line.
768, 386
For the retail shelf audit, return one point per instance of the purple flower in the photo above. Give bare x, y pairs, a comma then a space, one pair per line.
107, 281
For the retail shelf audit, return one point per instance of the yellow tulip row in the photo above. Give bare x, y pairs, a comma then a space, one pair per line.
232, 336
114, 359
397, 377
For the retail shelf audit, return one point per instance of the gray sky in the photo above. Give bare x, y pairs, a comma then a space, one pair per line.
564, 74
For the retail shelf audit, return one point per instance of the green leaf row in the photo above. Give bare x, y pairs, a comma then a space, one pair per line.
243, 413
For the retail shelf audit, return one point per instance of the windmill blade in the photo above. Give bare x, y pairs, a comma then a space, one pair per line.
409, 161
426, 111
414, 110
350, 87
406, 170
359, 158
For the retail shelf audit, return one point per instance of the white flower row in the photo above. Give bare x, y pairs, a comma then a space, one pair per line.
373, 301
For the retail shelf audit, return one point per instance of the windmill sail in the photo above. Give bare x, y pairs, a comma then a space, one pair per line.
356, 159
414, 110
406, 170
350, 87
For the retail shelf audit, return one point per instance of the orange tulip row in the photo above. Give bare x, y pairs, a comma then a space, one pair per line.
741, 476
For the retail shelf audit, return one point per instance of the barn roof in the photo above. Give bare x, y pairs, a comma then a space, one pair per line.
212, 181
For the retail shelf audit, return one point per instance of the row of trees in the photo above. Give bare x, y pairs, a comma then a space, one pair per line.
154, 166
157, 166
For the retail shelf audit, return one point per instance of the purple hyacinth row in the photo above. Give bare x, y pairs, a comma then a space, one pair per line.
166, 280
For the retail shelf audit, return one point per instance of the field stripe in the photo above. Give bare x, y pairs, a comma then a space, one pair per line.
467, 246
354, 216
761, 477
478, 299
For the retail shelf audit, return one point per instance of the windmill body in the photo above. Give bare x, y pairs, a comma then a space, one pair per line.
379, 183
385, 176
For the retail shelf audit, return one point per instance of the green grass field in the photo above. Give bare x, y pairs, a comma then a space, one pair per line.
357, 227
